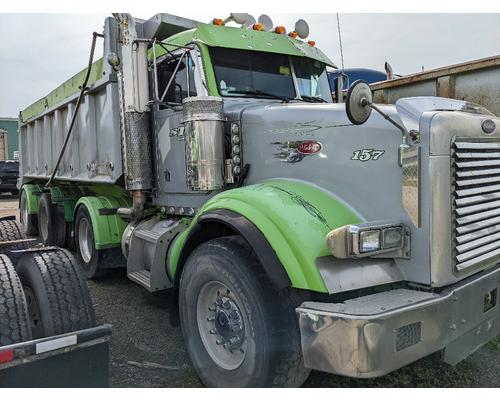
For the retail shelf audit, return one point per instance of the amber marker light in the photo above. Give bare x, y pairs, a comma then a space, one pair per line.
258, 27
293, 35
218, 21
311, 43
280, 30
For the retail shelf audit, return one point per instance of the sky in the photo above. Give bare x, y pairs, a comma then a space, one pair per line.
40, 51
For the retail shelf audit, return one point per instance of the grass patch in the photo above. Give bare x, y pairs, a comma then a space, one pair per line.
496, 343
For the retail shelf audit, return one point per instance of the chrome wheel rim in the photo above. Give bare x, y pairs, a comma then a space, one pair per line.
24, 214
221, 325
85, 240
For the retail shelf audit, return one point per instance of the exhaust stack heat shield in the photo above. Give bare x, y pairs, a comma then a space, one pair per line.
204, 132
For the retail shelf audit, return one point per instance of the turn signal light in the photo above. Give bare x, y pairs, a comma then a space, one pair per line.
218, 21
311, 43
280, 30
258, 27
293, 34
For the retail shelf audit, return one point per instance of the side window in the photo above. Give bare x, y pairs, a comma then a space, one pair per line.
182, 85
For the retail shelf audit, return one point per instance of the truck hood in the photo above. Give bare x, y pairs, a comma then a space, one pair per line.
410, 109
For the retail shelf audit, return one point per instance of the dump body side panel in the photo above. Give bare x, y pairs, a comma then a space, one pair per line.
93, 153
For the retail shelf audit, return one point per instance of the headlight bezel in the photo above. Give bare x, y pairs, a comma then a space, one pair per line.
347, 241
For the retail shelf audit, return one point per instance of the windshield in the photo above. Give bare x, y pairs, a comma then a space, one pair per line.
312, 79
260, 74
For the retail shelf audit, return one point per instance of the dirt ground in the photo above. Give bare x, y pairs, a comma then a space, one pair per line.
147, 351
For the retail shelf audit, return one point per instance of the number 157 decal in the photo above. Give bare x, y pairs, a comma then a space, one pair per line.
367, 155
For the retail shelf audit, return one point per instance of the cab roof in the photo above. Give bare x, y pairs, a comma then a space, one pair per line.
245, 39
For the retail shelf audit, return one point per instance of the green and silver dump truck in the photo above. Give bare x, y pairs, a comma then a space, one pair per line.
294, 233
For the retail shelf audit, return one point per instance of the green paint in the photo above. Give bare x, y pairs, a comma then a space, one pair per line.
62, 92
245, 39
209, 71
66, 196
33, 193
294, 217
108, 229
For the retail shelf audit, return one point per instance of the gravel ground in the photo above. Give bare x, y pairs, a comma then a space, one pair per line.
147, 351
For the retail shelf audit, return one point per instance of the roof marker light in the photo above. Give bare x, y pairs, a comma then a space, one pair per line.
258, 27
293, 34
218, 22
280, 30
311, 43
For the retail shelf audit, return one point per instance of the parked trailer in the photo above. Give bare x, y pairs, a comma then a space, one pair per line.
475, 81
48, 333
293, 233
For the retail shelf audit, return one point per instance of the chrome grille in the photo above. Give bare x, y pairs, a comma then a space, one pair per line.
476, 203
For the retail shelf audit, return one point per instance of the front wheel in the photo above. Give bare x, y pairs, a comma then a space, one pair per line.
239, 330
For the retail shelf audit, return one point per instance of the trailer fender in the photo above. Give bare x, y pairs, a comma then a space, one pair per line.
108, 226
292, 216
33, 193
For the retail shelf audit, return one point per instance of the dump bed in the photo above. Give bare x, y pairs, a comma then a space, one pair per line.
476, 81
93, 152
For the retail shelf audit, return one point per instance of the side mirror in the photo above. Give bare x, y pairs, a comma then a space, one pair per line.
358, 102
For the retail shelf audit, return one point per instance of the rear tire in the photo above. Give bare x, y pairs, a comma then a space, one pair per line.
58, 299
29, 222
51, 222
94, 262
239, 330
14, 321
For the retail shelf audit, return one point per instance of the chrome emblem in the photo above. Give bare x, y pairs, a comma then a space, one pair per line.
295, 151
488, 126
309, 148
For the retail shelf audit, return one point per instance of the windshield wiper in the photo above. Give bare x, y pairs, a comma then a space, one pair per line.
313, 99
260, 93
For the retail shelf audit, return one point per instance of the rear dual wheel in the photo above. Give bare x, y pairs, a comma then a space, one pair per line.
51, 223
94, 262
29, 222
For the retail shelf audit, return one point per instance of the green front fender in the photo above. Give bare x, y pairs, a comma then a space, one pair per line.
293, 216
108, 229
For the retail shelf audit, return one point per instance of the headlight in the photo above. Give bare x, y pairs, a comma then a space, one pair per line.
368, 239
392, 237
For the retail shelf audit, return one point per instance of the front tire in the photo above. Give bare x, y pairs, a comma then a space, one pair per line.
239, 330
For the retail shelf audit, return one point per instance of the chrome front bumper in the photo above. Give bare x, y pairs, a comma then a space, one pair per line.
373, 335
